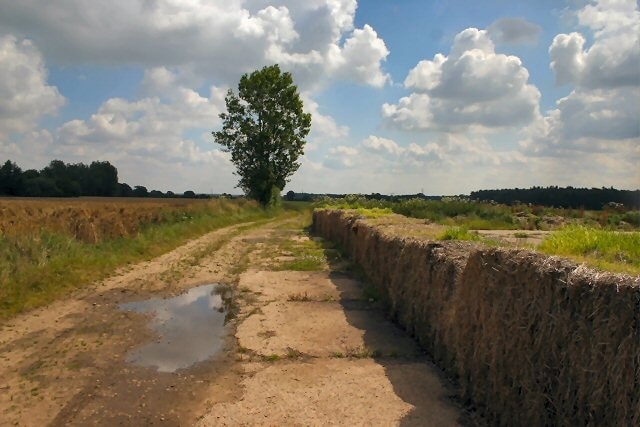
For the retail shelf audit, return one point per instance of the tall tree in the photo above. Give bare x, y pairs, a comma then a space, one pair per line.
264, 129
104, 179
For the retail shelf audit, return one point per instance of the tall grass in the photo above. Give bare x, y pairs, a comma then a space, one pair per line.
37, 267
604, 249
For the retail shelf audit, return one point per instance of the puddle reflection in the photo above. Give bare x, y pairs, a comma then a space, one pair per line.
191, 327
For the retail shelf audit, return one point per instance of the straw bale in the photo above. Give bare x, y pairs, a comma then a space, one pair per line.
530, 339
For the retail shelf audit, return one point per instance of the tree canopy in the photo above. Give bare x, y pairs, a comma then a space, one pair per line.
60, 179
264, 129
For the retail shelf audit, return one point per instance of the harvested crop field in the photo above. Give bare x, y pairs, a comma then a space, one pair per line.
95, 219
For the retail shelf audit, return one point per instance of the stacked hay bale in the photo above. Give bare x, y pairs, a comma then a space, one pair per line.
530, 339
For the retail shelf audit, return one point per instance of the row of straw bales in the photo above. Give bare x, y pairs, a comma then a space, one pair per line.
531, 340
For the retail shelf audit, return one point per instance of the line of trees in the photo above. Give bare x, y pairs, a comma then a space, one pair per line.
563, 197
59, 179
566, 197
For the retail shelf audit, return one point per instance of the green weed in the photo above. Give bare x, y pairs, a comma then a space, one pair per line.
271, 358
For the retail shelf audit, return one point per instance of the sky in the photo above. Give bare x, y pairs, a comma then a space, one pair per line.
406, 96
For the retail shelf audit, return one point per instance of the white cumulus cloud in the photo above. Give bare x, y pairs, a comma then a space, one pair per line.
25, 95
384, 145
597, 125
602, 111
473, 86
315, 39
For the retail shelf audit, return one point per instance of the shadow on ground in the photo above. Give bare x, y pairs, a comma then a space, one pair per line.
415, 379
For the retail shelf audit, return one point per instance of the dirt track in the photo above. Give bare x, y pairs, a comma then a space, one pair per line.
306, 349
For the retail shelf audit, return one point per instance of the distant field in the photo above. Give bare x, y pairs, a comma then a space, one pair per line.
95, 219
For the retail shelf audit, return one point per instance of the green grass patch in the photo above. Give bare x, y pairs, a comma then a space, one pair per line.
458, 233
604, 249
37, 268
306, 263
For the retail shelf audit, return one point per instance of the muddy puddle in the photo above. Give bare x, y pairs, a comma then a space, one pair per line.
191, 327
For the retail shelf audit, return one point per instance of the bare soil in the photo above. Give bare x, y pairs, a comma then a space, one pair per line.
306, 348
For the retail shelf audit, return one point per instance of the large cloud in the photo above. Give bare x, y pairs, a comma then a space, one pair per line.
473, 86
613, 60
601, 113
216, 38
25, 95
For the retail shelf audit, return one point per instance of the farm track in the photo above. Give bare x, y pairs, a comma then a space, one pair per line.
306, 349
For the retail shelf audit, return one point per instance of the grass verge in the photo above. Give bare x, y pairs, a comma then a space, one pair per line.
39, 267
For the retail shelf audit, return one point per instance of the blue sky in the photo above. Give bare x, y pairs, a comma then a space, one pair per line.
444, 97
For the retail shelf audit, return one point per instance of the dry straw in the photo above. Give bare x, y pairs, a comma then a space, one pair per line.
530, 339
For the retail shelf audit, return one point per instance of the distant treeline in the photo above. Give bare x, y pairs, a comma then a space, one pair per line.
309, 197
60, 179
568, 197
